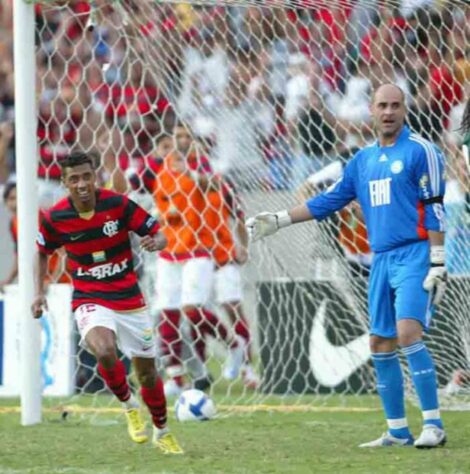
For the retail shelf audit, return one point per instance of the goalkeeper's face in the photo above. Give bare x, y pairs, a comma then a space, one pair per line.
80, 181
388, 110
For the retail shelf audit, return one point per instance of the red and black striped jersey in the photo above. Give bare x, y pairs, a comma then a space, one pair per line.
98, 248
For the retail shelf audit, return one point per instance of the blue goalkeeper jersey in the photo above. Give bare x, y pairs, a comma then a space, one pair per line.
400, 189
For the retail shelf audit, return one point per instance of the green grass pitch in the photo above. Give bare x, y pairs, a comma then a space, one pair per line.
303, 439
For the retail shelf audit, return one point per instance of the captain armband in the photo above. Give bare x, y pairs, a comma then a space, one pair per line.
433, 200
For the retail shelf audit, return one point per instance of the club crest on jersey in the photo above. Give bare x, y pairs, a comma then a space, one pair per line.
397, 167
111, 228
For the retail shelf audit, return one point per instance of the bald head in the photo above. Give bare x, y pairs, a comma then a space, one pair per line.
388, 90
388, 111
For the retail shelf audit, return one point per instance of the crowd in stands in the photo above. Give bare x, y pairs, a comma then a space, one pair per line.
271, 94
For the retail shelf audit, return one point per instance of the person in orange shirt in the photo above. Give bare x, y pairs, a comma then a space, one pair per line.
56, 271
350, 229
185, 269
9, 198
353, 239
222, 211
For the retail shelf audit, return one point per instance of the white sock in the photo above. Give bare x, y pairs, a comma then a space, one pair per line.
131, 402
158, 432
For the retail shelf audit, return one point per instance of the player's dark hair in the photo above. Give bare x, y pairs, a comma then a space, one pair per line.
181, 124
77, 158
9, 187
465, 126
161, 137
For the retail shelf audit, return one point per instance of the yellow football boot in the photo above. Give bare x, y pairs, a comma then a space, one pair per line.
167, 443
136, 426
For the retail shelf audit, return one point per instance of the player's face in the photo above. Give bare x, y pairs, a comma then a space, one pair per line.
80, 182
10, 201
389, 111
182, 140
164, 147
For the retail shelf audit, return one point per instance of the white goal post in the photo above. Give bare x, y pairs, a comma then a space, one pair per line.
26, 151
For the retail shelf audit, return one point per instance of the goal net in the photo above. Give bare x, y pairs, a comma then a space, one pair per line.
274, 96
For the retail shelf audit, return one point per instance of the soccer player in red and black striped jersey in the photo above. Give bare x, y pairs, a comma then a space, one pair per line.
93, 226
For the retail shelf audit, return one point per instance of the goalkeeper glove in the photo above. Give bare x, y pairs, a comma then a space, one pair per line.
267, 223
436, 279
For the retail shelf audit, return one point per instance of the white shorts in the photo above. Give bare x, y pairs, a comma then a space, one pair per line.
228, 284
184, 283
133, 330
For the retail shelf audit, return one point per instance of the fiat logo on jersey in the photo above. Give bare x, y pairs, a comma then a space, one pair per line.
110, 228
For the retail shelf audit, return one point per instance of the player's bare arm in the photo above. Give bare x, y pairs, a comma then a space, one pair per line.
153, 243
40, 270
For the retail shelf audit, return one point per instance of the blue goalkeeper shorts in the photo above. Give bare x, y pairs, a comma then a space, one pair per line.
396, 288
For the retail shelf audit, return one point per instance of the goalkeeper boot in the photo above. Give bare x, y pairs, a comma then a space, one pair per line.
387, 440
165, 441
136, 426
431, 437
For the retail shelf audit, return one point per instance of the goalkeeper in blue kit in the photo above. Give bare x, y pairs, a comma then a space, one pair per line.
399, 183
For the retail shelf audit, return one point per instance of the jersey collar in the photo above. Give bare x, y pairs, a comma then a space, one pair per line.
404, 134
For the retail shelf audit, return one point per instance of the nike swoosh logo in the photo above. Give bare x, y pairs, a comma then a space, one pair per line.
332, 364
76, 237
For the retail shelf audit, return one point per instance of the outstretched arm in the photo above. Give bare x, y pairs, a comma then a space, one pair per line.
267, 223
319, 207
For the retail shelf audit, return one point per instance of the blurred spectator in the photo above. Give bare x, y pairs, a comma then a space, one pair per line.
303, 76
9, 198
354, 108
58, 123
316, 129
278, 150
238, 135
6, 158
204, 79
457, 203
453, 135
424, 117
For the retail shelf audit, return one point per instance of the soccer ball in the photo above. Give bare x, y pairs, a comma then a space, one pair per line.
194, 405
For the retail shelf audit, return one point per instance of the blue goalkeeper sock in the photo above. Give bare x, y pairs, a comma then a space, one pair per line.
390, 389
423, 374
